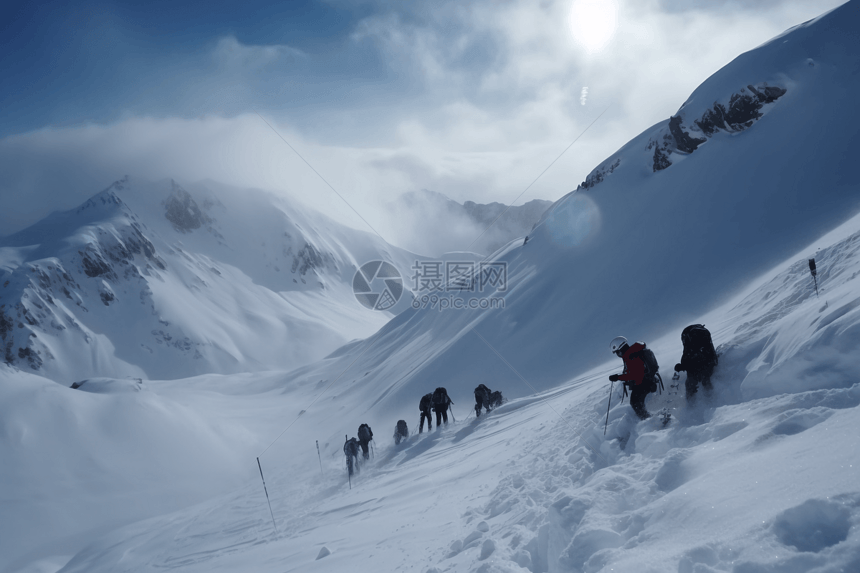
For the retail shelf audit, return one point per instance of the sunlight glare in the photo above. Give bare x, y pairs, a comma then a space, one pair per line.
593, 23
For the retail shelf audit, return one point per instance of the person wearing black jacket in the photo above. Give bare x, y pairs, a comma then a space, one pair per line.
698, 360
482, 399
441, 403
350, 450
425, 405
365, 434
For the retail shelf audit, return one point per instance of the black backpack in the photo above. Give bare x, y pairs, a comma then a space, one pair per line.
426, 401
402, 428
440, 397
350, 447
698, 346
364, 433
483, 392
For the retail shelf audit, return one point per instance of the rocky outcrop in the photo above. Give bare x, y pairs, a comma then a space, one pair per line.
741, 111
599, 174
306, 259
183, 212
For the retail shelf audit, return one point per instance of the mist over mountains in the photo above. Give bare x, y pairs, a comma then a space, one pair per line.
436, 224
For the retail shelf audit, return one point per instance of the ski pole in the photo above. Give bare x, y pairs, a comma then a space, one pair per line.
319, 456
611, 385
450, 409
349, 464
267, 494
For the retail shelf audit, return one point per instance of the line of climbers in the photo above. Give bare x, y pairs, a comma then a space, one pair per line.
641, 375
437, 401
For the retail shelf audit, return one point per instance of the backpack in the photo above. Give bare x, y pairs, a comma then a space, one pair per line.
483, 392
402, 428
350, 447
496, 399
364, 433
440, 397
698, 346
426, 401
651, 366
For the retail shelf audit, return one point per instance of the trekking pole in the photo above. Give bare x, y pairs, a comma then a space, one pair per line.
348, 464
319, 456
611, 385
450, 409
267, 495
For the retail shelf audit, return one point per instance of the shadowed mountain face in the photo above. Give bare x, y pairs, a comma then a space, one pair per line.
435, 224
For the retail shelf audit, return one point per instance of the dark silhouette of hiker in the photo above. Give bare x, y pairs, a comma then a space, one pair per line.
365, 434
441, 403
425, 406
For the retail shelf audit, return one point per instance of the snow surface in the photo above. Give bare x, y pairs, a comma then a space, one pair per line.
763, 477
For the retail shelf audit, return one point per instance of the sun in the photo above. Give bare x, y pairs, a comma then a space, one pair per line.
593, 23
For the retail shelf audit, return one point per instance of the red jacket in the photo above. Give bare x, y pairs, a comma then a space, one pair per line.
634, 366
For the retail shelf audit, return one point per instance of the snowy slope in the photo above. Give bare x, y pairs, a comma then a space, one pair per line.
151, 280
642, 249
762, 478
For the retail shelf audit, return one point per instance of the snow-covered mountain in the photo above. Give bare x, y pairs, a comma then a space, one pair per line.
758, 162
120, 475
156, 281
430, 218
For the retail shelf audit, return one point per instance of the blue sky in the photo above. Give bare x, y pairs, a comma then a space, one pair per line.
98, 61
469, 99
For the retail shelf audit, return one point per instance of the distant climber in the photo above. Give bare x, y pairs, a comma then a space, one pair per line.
486, 399
350, 450
401, 431
425, 406
699, 360
482, 399
365, 434
640, 372
441, 403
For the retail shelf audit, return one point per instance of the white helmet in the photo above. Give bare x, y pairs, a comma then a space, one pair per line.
617, 344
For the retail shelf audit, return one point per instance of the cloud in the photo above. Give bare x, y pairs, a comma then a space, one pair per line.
475, 101
230, 53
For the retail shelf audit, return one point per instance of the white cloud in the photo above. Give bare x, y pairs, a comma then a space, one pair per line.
231, 53
494, 93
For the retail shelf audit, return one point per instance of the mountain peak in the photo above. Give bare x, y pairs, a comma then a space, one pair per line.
106, 199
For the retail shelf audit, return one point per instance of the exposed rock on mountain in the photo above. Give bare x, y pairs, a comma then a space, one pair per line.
676, 136
183, 211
